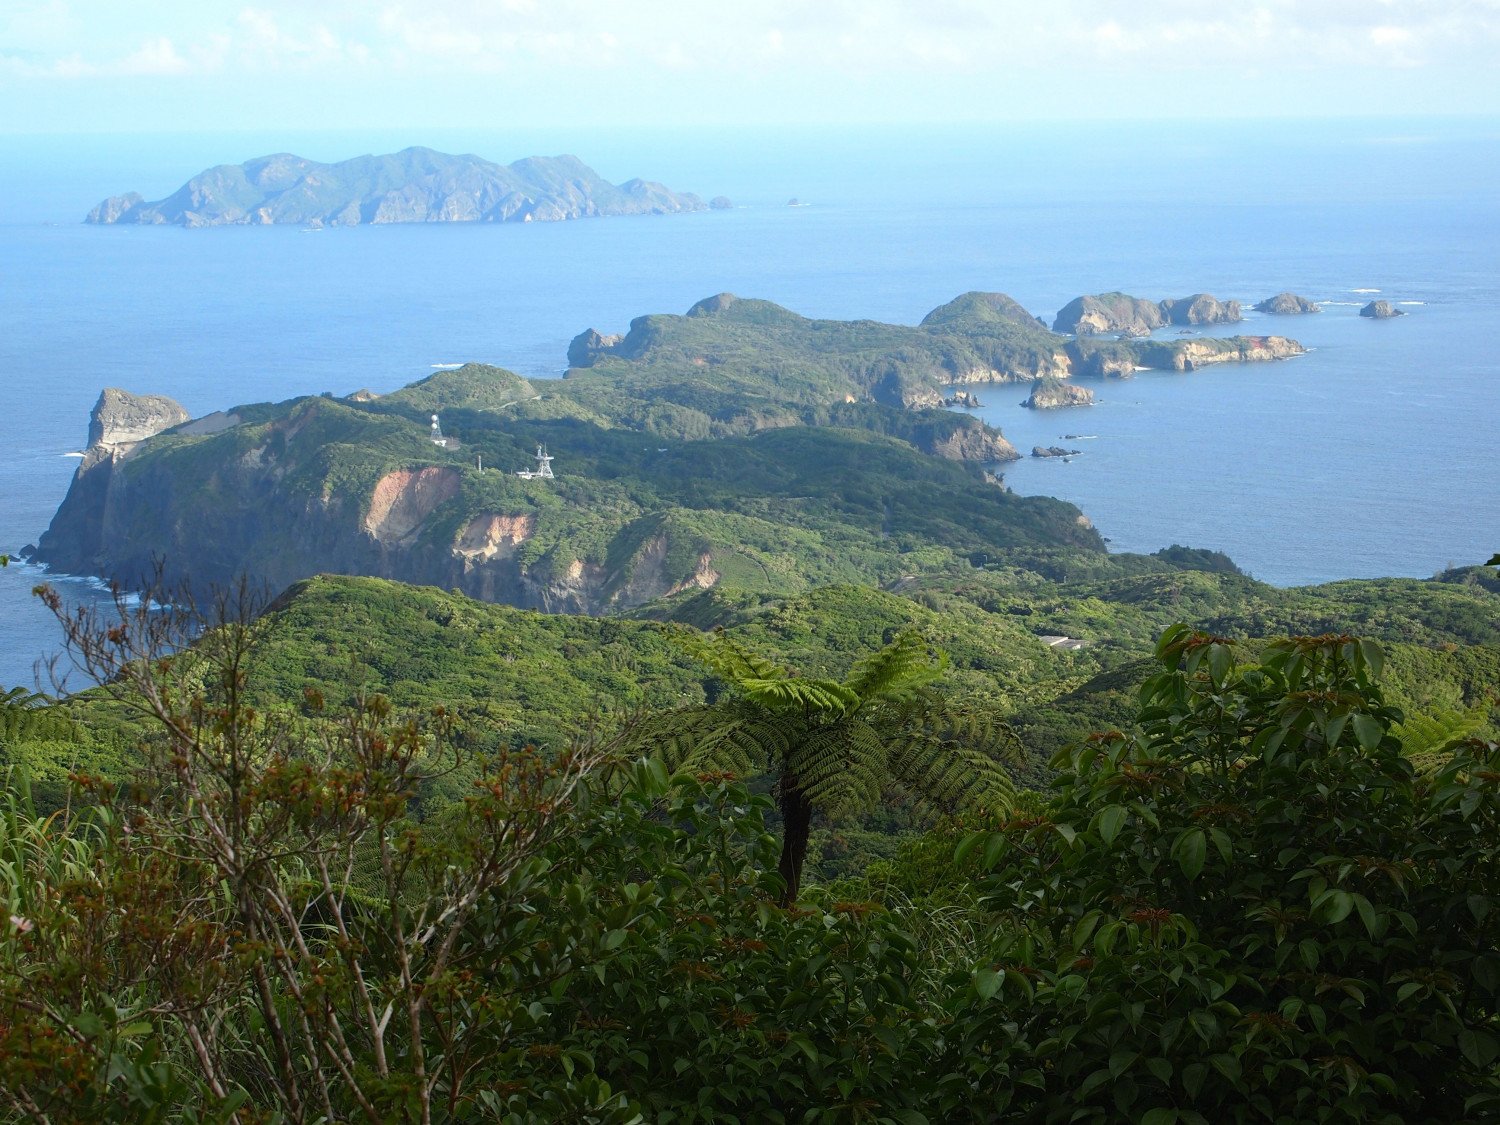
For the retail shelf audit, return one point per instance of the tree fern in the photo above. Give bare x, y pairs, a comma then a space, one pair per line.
834, 746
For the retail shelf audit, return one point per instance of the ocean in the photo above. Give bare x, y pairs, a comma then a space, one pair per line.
1375, 454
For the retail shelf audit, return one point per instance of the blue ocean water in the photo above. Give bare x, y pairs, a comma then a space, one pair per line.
1372, 455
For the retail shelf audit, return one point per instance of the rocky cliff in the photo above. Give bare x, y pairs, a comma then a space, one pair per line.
279, 493
77, 540
416, 185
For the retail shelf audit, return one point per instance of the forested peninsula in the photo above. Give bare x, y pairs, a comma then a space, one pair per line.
415, 185
739, 441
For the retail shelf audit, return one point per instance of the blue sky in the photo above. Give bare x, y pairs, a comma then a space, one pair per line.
73, 66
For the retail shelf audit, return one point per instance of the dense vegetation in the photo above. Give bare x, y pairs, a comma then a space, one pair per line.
1266, 898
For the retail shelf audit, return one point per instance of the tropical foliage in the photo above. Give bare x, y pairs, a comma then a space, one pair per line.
832, 746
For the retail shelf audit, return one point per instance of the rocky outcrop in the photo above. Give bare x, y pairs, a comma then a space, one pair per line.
1053, 451
1049, 394
120, 417
1381, 310
119, 422
979, 443
1287, 304
1201, 308
586, 347
416, 185
1109, 312
720, 203
964, 400
1122, 314
118, 209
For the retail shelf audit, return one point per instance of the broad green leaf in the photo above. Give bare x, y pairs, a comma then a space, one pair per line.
1191, 851
1109, 822
1368, 731
1339, 905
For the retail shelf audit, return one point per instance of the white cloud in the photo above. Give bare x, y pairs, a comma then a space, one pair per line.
154, 57
749, 38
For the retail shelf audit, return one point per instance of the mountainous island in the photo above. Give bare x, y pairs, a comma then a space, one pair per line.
739, 441
416, 185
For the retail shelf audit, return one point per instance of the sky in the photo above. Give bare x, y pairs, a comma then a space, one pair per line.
102, 66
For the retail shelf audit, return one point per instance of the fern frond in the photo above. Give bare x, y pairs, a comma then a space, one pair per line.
952, 775
952, 756
727, 738
1427, 739
902, 667
727, 658
802, 695
841, 767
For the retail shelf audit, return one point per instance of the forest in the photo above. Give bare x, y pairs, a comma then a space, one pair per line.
384, 853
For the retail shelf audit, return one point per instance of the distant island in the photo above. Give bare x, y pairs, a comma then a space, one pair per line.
416, 185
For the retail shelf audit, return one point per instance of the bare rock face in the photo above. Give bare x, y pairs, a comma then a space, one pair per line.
1049, 394
1380, 310
121, 418
1109, 312
403, 500
493, 534
1287, 304
1201, 308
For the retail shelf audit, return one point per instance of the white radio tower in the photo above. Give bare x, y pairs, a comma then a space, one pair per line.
543, 466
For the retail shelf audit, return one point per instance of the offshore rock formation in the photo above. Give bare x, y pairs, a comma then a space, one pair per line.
1287, 304
1109, 312
1122, 314
416, 185
1049, 394
1381, 310
1201, 308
